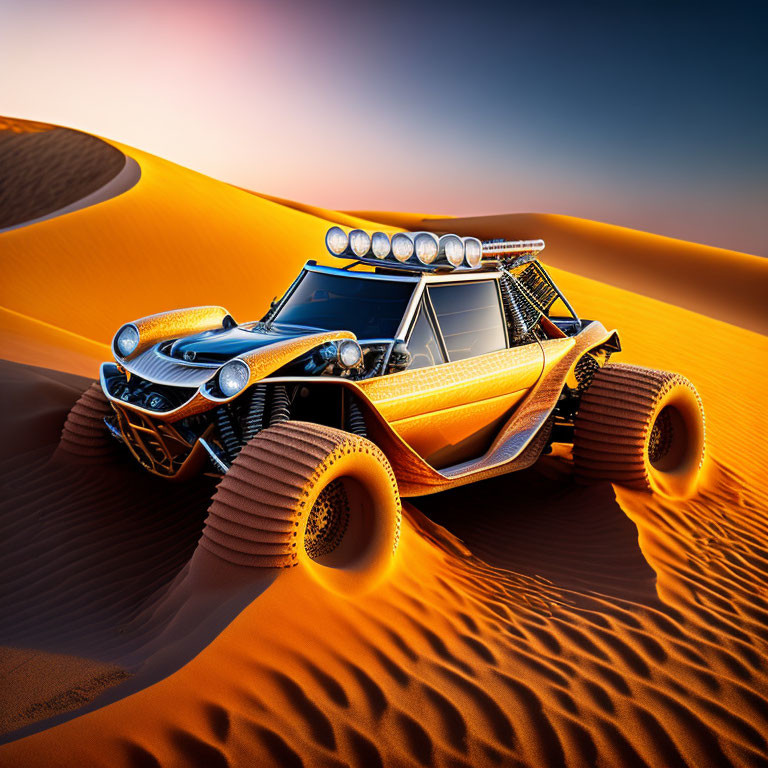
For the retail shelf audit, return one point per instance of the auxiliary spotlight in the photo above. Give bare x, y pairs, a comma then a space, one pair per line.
336, 241
402, 247
380, 245
359, 242
473, 252
452, 250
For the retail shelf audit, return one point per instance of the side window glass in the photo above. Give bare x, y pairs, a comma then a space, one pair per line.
422, 344
470, 319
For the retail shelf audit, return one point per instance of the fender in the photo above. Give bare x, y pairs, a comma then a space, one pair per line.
167, 325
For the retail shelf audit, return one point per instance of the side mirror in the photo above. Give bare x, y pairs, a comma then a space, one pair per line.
400, 357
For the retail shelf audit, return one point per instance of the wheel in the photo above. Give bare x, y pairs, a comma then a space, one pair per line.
300, 493
85, 436
640, 428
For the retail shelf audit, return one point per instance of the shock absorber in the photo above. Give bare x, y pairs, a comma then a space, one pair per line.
227, 432
281, 405
254, 415
355, 420
518, 328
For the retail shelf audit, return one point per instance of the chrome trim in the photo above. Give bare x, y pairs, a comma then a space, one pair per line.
139, 409
462, 277
114, 431
310, 267
273, 310
411, 309
177, 360
162, 369
223, 466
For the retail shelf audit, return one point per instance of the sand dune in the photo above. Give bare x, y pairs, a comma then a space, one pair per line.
528, 621
31, 341
728, 285
46, 168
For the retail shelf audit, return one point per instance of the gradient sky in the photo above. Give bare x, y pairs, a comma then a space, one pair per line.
649, 115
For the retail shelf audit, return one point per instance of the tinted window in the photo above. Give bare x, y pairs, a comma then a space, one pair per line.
370, 308
423, 345
469, 317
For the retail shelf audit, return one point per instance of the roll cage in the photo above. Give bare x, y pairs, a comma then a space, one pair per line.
420, 297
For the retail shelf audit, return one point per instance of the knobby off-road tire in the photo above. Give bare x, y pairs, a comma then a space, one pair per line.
300, 493
84, 437
640, 428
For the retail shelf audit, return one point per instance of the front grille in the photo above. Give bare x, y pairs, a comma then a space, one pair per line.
155, 365
140, 392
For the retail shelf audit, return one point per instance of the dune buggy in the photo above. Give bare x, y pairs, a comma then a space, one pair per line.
424, 363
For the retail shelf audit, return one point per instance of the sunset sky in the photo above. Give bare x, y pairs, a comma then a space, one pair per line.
648, 115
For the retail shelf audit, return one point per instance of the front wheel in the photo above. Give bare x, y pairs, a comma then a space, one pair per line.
640, 428
301, 493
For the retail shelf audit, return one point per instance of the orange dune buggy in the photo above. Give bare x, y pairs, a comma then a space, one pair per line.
424, 363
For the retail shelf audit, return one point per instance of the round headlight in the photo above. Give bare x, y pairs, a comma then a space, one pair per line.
127, 340
453, 248
336, 240
473, 251
234, 377
425, 246
402, 247
359, 242
350, 354
380, 245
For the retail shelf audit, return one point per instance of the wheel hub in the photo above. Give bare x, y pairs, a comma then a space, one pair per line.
327, 521
660, 441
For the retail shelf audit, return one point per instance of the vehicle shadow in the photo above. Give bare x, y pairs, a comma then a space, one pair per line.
539, 522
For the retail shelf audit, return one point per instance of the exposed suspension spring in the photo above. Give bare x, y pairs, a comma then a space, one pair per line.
254, 414
281, 405
355, 421
519, 323
227, 432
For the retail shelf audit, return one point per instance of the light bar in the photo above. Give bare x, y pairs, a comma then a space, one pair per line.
493, 248
414, 251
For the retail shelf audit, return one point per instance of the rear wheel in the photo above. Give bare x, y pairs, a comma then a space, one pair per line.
640, 428
85, 437
300, 493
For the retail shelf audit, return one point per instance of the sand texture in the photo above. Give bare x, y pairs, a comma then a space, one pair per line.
526, 621
46, 169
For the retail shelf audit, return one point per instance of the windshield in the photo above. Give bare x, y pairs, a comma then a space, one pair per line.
370, 308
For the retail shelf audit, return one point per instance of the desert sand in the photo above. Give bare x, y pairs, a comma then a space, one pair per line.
527, 621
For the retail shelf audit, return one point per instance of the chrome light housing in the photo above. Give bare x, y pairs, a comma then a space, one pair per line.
426, 246
402, 247
380, 245
452, 249
234, 377
473, 252
126, 340
359, 242
350, 354
336, 241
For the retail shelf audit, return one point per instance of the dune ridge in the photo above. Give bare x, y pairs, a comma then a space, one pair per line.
46, 168
527, 621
